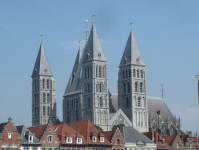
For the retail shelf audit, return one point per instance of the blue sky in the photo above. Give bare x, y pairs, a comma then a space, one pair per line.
166, 32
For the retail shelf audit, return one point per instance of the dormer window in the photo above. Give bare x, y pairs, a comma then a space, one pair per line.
35, 70
87, 55
9, 135
125, 60
30, 138
99, 55
79, 140
94, 139
45, 71
161, 142
69, 140
138, 60
101, 139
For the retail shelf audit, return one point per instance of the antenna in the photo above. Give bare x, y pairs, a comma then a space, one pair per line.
162, 90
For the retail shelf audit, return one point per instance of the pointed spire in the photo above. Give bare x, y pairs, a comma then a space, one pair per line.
42, 66
132, 53
93, 49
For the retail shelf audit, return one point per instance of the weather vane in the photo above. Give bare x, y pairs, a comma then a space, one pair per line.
86, 30
93, 16
41, 36
131, 24
79, 42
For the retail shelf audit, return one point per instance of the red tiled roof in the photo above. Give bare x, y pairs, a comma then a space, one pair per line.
184, 138
196, 139
169, 139
39, 130
108, 135
157, 139
86, 128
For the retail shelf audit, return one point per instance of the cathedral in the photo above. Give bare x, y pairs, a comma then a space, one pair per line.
87, 95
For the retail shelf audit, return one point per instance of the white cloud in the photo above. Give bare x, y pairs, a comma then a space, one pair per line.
2, 79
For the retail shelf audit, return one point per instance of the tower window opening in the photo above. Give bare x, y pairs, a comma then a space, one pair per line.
38, 111
126, 74
35, 111
48, 84
101, 102
76, 103
100, 88
85, 73
44, 97
99, 72
48, 98
139, 102
43, 84
44, 110
138, 75
127, 102
96, 72
37, 84
35, 98
129, 73
67, 104
123, 75
133, 72
128, 87
88, 72
48, 111
141, 87
141, 73
136, 86
124, 86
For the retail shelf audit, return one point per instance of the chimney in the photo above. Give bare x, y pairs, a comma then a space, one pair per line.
10, 120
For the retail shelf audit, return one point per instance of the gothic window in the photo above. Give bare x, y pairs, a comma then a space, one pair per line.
88, 87
100, 89
67, 104
99, 117
99, 72
47, 84
136, 86
43, 83
124, 87
127, 102
141, 87
44, 97
129, 73
96, 87
96, 71
133, 72
138, 74
123, 75
44, 110
76, 103
85, 73
139, 119
126, 74
85, 89
141, 73
77, 116
88, 72
101, 102
128, 87
37, 98
37, 110
37, 84
72, 104
89, 105
68, 117
48, 98
48, 110
104, 71
139, 102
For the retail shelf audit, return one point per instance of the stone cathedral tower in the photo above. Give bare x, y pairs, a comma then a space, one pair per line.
132, 92
43, 91
86, 95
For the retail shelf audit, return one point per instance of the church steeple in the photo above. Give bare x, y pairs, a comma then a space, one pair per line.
132, 53
93, 49
42, 66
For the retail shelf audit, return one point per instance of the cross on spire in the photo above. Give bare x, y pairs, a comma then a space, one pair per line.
93, 16
41, 36
79, 42
86, 30
131, 24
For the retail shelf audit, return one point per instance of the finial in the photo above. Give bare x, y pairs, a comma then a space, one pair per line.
86, 31
93, 16
79, 42
41, 36
131, 24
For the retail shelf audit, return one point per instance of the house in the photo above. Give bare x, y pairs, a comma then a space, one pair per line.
175, 141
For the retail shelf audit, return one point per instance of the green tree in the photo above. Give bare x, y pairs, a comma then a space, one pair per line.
118, 125
99, 128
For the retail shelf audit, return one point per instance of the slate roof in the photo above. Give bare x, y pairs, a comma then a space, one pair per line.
41, 63
24, 132
2, 126
87, 129
155, 137
131, 52
94, 47
114, 103
155, 104
131, 135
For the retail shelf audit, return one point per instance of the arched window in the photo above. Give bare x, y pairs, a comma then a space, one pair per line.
139, 102
104, 71
48, 111
67, 104
127, 102
136, 86
141, 73
124, 87
44, 97
129, 73
128, 87
85, 88
100, 87
37, 83
38, 111
101, 102
77, 118
141, 87
76, 103
85, 73
99, 72
139, 119
35, 111
123, 75
43, 83
126, 74
88, 87
44, 110
190, 145
118, 141
37, 98
88, 72
133, 72
138, 75
96, 71
47, 84
48, 98
88, 102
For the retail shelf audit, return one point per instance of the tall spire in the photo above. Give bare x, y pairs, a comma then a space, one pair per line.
42, 66
132, 53
93, 49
